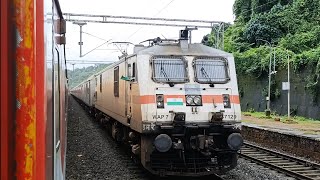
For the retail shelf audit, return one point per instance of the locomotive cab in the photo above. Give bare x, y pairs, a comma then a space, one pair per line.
176, 104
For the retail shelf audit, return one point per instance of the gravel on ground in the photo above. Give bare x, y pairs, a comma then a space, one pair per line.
93, 154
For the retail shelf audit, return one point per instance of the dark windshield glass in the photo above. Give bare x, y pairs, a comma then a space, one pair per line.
211, 70
169, 69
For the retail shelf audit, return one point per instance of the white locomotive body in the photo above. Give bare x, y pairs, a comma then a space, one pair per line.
177, 104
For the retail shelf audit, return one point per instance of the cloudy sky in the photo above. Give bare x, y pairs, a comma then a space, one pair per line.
213, 10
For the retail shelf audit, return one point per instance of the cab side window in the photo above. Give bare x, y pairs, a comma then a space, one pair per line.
134, 69
116, 81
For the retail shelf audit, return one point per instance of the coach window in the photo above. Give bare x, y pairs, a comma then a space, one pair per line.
100, 82
116, 81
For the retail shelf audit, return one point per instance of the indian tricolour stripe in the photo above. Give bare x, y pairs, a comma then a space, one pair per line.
175, 101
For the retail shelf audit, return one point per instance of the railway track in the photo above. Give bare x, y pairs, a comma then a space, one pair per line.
289, 165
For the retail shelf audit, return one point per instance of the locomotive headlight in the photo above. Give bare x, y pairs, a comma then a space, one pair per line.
197, 100
193, 100
189, 100
163, 143
160, 100
235, 141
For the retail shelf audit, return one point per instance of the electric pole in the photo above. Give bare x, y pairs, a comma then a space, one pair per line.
81, 42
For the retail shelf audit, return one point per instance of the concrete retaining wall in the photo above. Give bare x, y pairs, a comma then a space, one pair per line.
253, 92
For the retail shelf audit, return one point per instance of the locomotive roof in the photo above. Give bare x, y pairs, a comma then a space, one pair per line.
196, 49
193, 50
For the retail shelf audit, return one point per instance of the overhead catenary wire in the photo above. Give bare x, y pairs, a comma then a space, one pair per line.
94, 36
166, 6
88, 62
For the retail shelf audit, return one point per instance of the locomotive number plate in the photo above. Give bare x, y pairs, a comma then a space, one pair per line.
230, 116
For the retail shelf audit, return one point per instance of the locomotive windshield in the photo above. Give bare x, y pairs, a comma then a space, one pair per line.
211, 70
169, 70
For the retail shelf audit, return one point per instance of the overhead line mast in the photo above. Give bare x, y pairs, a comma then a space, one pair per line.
81, 19
105, 19
216, 26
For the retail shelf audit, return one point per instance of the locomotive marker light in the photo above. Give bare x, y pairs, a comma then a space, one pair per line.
235, 141
163, 143
160, 101
226, 101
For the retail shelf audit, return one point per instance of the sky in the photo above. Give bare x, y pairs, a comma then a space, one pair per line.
213, 10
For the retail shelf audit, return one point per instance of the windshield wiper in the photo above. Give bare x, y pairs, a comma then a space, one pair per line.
204, 72
164, 72
171, 84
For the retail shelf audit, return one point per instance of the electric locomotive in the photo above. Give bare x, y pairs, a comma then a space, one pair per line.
175, 103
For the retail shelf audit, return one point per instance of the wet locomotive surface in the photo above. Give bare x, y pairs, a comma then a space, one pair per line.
93, 154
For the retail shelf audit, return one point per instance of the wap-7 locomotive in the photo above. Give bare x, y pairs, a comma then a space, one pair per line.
175, 103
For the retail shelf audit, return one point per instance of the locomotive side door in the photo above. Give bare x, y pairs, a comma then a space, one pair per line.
130, 80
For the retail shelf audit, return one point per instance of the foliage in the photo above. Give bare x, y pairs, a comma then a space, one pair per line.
234, 40
314, 83
307, 58
254, 61
299, 119
266, 26
242, 9
291, 27
79, 75
208, 40
301, 41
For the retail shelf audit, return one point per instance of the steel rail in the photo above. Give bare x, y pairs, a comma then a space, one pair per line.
284, 157
296, 159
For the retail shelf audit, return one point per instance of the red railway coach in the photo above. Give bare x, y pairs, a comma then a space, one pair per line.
33, 90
